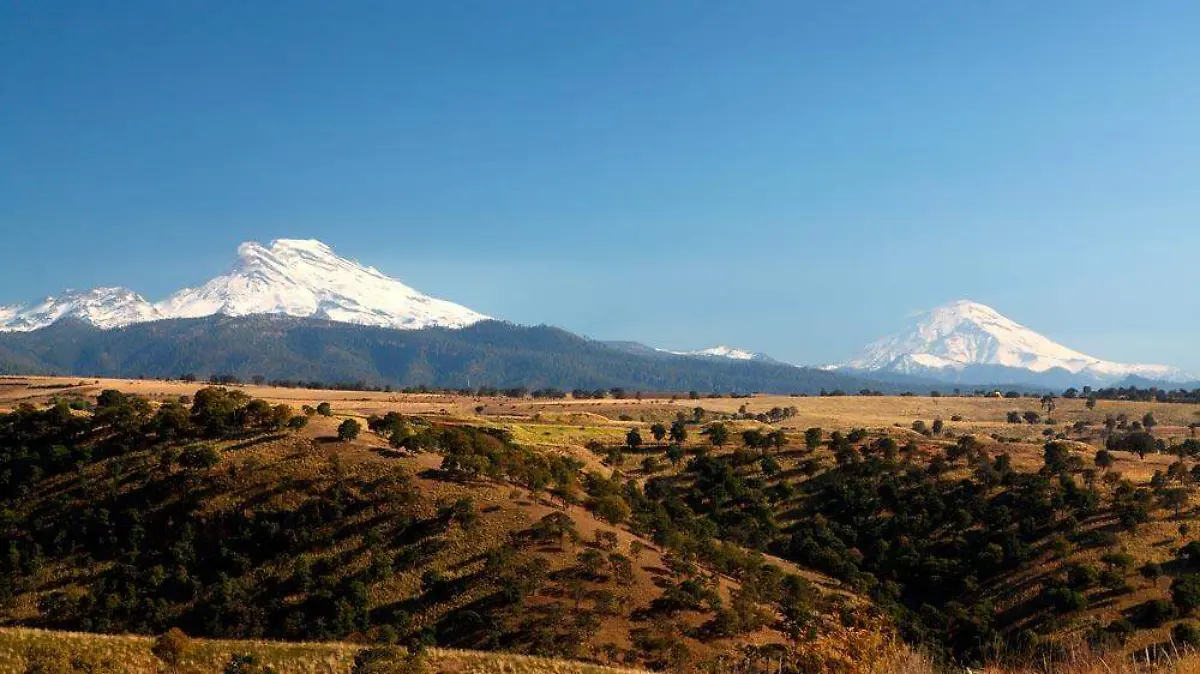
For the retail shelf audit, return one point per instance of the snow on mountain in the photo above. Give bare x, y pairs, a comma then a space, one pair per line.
965, 334
306, 278
102, 307
721, 351
291, 276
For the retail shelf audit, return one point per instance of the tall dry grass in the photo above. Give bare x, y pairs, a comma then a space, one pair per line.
1168, 658
131, 655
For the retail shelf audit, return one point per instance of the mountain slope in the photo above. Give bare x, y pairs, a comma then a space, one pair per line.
306, 278
720, 351
292, 277
102, 307
489, 353
966, 338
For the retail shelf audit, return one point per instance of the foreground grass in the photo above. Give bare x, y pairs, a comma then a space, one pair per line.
131, 654
854, 652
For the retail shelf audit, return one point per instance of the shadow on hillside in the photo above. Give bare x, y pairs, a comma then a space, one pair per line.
255, 441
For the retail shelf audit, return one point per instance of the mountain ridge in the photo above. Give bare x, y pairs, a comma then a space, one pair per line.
487, 353
724, 351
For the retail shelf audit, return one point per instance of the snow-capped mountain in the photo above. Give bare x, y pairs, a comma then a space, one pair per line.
720, 351
102, 307
965, 340
306, 278
291, 276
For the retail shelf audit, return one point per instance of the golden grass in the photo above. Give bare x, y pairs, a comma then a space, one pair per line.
132, 655
557, 434
1165, 658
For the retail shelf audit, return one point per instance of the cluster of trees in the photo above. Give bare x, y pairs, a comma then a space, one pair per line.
1028, 417
470, 452
1146, 395
159, 555
923, 546
164, 565
36, 443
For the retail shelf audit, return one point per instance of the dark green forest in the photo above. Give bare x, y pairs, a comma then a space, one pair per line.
486, 354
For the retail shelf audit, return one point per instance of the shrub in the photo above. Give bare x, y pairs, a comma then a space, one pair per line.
348, 430
1185, 592
1187, 634
1190, 554
389, 660
1151, 571
324, 410
171, 648
1118, 560
246, 664
1082, 576
199, 457
1154, 613
611, 509
1066, 600
1121, 629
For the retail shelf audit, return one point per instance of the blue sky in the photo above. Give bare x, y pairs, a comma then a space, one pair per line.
790, 177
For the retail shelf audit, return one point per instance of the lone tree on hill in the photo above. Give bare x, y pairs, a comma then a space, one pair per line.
812, 438
633, 438
348, 430
678, 432
718, 435
659, 432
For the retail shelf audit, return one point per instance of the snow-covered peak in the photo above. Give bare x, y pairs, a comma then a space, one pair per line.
720, 351
964, 334
300, 277
295, 277
102, 307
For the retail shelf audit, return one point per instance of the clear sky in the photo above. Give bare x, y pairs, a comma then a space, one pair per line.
789, 177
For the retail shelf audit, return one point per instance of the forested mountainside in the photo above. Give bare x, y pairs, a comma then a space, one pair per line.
490, 353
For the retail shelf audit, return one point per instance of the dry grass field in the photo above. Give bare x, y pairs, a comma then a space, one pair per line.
568, 425
981, 416
131, 655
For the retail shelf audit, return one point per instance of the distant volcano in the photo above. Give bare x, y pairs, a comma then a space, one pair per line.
968, 341
303, 278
